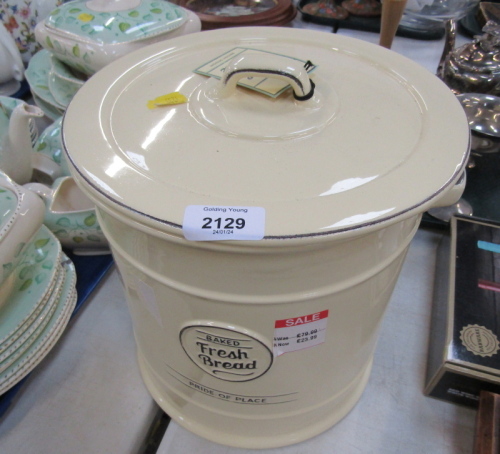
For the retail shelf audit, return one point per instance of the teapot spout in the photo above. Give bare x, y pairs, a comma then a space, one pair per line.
17, 148
449, 44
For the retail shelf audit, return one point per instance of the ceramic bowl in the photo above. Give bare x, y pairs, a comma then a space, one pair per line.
63, 81
66, 73
89, 34
20, 18
70, 214
429, 15
37, 76
22, 214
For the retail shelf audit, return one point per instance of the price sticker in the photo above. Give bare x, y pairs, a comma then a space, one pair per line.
216, 223
298, 333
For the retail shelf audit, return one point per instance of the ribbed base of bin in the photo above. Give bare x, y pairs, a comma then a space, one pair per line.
252, 432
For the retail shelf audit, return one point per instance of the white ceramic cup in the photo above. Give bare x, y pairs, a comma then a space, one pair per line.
11, 64
20, 18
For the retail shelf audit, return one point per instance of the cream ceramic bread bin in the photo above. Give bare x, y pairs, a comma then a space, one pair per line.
265, 336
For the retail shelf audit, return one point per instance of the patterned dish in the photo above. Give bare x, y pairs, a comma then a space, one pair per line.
37, 75
32, 283
87, 35
49, 336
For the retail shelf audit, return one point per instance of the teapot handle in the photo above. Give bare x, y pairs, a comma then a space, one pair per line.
42, 190
291, 71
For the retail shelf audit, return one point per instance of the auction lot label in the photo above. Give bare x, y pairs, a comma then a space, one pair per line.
216, 223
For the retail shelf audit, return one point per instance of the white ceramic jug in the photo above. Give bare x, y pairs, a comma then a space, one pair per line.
17, 157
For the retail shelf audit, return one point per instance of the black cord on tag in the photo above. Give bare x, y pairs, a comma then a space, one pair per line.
306, 96
308, 64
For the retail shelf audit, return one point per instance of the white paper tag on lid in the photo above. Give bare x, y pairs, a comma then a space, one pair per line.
265, 85
216, 223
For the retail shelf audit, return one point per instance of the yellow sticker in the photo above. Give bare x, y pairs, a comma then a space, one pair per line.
167, 100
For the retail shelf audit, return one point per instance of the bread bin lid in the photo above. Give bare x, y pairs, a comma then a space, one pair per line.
115, 22
381, 139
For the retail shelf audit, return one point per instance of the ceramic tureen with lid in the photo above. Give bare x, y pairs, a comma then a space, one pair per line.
88, 34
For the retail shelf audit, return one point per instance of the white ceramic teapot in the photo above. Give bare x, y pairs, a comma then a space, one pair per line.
17, 157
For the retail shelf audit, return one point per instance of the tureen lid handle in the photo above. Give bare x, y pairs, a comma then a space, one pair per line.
294, 72
108, 6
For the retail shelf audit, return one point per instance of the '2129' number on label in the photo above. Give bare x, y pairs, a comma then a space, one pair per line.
227, 223
215, 223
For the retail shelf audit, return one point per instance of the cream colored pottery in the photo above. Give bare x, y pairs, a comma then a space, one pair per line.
50, 334
89, 34
267, 339
16, 148
70, 214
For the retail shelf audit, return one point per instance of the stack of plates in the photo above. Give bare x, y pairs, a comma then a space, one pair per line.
52, 83
37, 298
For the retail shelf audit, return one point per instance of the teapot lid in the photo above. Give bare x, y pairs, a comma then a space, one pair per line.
380, 138
483, 54
118, 21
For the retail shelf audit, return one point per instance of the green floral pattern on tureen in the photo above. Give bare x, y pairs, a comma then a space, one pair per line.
147, 19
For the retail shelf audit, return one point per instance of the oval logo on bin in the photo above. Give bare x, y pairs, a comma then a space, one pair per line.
226, 354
